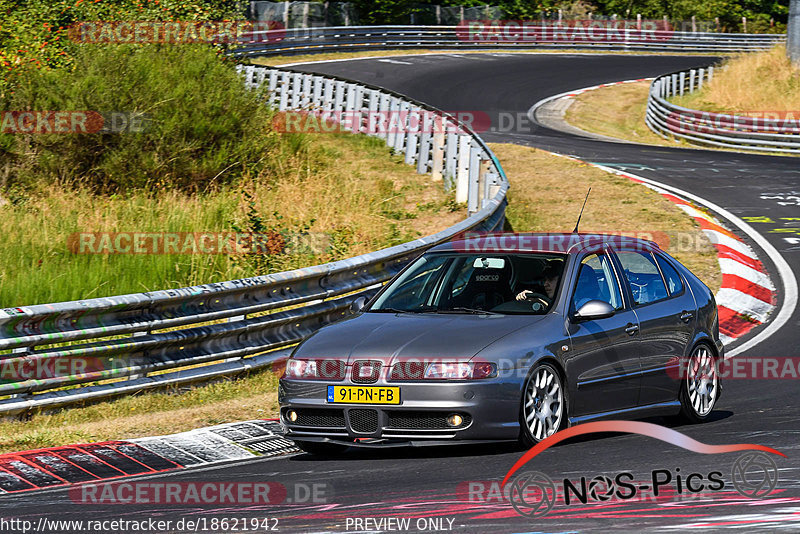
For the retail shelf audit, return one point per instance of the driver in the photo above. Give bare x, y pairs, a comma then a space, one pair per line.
549, 281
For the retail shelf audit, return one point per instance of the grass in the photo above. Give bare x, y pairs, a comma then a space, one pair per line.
756, 82
546, 194
347, 190
616, 111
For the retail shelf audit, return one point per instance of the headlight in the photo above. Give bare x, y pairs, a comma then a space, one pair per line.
324, 369
413, 370
448, 371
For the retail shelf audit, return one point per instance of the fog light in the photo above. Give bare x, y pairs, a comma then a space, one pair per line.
291, 415
455, 420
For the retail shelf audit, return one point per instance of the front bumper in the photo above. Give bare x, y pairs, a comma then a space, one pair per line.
489, 410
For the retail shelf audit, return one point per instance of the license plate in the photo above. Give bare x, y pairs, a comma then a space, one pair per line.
364, 394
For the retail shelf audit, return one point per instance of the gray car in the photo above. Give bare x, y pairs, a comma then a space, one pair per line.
508, 337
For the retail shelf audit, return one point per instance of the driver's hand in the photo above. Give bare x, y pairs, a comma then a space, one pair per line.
524, 294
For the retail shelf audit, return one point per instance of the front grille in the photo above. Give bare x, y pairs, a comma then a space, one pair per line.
364, 421
319, 418
366, 371
407, 420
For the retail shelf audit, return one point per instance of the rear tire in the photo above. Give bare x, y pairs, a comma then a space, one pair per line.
700, 386
322, 449
543, 408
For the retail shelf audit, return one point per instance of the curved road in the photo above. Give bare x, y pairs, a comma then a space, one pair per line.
429, 484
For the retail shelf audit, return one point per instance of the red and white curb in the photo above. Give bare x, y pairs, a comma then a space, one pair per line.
95, 462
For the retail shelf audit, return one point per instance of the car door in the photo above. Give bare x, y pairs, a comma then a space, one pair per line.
603, 361
667, 316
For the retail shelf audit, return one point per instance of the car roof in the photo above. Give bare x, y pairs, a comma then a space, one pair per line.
558, 243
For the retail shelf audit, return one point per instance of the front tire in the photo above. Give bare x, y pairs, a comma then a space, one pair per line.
700, 387
543, 409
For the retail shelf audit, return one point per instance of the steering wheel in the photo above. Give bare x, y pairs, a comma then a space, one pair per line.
532, 295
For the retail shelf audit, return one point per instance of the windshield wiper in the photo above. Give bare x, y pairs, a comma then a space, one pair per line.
423, 309
462, 309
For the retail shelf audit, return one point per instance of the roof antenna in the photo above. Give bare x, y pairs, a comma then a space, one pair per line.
575, 231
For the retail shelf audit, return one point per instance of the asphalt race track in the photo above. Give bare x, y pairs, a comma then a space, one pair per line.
431, 486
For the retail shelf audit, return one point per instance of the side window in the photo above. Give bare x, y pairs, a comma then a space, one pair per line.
674, 282
643, 276
596, 281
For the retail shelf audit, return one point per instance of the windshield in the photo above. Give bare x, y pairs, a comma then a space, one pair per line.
475, 283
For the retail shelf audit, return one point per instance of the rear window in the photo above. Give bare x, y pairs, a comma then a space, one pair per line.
674, 282
643, 276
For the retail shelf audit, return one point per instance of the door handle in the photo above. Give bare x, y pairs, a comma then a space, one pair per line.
631, 329
686, 316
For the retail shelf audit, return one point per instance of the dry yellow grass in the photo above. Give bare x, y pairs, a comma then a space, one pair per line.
547, 192
752, 82
616, 111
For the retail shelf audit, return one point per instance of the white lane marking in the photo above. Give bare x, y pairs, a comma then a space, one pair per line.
395, 62
729, 266
785, 272
743, 303
718, 238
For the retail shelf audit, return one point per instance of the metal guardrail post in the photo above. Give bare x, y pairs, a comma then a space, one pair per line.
451, 159
423, 160
402, 127
412, 135
462, 172
393, 127
327, 96
474, 177
437, 149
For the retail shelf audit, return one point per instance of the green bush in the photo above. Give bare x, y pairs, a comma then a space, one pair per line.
201, 125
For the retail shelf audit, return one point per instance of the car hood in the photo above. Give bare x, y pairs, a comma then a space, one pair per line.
388, 336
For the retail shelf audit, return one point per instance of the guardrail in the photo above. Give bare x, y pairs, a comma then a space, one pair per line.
57, 349
359, 38
760, 134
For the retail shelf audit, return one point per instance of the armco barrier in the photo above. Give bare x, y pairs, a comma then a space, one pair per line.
359, 38
57, 349
764, 134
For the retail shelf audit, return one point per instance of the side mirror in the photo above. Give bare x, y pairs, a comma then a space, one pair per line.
594, 309
358, 304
